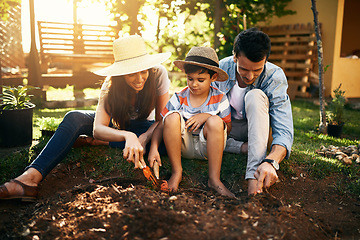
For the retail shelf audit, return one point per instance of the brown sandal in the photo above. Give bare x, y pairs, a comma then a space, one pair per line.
30, 193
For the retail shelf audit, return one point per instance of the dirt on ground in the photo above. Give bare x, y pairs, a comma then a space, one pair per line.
72, 206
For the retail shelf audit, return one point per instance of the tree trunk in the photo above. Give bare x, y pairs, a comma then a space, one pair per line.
323, 124
218, 22
134, 6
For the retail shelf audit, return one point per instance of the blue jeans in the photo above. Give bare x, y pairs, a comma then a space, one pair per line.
74, 124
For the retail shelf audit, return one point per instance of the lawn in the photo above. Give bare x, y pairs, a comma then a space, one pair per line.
307, 140
94, 193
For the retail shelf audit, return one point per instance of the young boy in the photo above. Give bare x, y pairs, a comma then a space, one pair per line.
196, 120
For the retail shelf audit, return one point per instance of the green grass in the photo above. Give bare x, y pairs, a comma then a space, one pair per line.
58, 113
100, 162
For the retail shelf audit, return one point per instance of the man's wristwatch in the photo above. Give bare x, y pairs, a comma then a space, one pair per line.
274, 163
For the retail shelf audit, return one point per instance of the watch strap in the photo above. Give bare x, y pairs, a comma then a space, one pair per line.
272, 162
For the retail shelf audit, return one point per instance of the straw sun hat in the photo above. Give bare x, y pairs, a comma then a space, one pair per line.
205, 57
131, 56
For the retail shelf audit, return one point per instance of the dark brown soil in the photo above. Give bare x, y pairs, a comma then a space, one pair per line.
71, 207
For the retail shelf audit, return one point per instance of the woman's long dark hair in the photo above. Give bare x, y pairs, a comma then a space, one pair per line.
118, 100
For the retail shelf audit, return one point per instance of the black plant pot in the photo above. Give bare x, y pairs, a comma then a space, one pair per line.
16, 127
335, 130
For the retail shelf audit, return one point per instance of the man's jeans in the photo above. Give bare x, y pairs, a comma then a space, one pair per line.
74, 124
255, 130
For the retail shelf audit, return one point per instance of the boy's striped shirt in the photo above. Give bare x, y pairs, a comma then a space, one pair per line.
216, 104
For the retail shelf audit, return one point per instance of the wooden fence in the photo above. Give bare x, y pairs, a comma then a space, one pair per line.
294, 49
75, 45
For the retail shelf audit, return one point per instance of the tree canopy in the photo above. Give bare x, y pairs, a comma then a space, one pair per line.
182, 24
5, 6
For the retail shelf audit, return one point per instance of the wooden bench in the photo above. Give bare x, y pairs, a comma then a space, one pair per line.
75, 45
294, 49
70, 50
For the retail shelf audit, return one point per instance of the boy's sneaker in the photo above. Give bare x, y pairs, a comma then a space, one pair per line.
233, 146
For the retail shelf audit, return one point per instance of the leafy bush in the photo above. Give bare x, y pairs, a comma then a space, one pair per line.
16, 97
49, 123
336, 114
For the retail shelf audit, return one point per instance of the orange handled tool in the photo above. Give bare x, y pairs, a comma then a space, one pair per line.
149, 175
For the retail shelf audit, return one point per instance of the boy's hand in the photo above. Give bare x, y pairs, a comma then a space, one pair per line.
195, 122
154, 161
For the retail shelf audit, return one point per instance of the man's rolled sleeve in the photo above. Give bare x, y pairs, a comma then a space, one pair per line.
280, 111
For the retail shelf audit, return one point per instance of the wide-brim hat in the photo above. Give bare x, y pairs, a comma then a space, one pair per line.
131, 56
205, 57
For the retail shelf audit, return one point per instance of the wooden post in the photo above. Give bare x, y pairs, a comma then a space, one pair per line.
77, 69
34, 72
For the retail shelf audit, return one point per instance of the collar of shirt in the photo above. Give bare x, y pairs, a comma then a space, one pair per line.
229, 66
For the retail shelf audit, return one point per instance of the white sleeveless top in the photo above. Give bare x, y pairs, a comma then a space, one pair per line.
237, 103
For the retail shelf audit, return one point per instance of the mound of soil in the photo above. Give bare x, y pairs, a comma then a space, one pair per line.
72, 207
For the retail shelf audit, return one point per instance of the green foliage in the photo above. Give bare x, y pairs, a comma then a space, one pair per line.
49, 123
184, 24
13, 165
16, 97
98, 162
126, 13
232, 12
307, 140
336, 114
5, 6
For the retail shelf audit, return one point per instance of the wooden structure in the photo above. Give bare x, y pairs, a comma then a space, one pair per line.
69, 50
294, 49
76, 45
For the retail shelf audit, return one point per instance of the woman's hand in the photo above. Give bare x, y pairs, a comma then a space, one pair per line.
195, 122
134, 151
143, 141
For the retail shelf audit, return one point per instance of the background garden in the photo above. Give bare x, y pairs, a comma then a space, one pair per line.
95, 194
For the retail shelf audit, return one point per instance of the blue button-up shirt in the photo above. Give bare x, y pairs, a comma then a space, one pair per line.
272, 81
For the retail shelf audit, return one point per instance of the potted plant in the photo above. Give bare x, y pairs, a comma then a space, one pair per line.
16, 114
48, 125
335, 115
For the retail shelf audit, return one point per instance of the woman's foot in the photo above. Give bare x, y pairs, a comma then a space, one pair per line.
220, 188
15, 189
22, 187
174, 182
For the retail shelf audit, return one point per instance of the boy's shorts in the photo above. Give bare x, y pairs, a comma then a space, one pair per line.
193, 146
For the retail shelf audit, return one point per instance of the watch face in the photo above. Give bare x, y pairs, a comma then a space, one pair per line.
275, 164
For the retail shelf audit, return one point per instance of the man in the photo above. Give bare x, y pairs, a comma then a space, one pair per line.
257, 91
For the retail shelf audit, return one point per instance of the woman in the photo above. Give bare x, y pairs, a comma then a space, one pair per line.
135, 89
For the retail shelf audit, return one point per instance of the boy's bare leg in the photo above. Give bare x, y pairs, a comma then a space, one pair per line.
172, 140
214, 133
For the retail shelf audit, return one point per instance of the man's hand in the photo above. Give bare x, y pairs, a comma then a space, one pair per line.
265, 177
